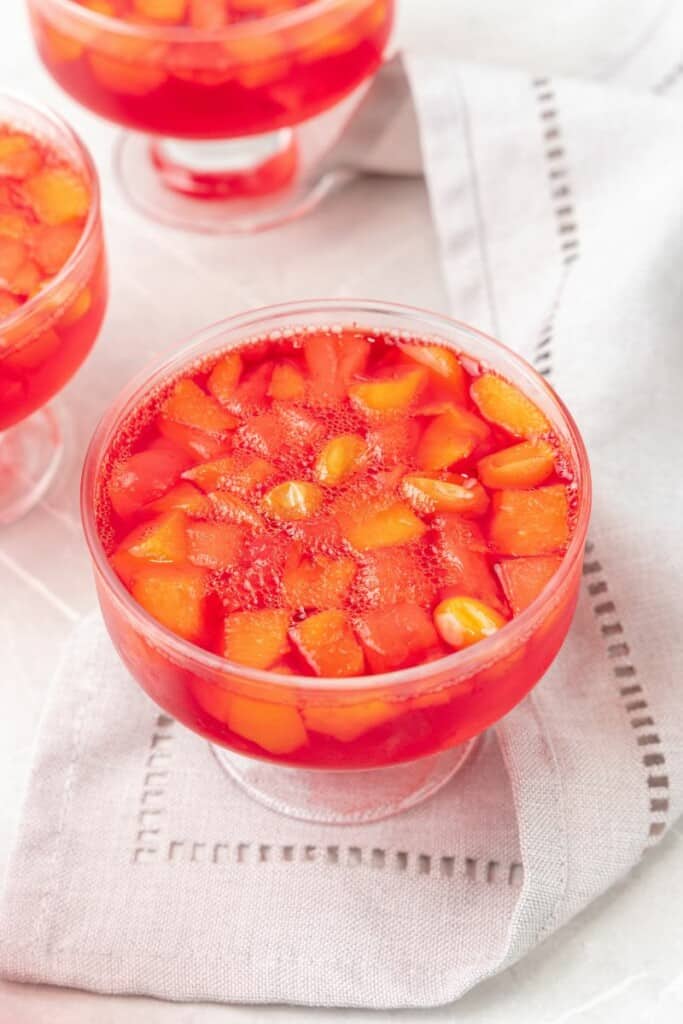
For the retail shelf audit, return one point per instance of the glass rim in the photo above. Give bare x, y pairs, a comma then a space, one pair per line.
92, 220
466, 662
186, 33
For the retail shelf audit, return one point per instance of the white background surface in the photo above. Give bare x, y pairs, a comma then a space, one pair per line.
620, 961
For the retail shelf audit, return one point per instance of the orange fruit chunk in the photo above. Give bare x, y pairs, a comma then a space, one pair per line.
190, 406
530, 522
12, 258
19, 156
14, 224
459, 494
58, 46
287, 383
277, 728
249, 394
170, 11
395, 637
390, 395
461, 531
332, 362
231, 473
464, 569
174, 596
293, 499
505, 405
392, 576
57, 195
76, 309
394, 441
339, 459
232, 509
327, 643
523, 465
257, 639
346, 722
442, 362
318, 583
523, 579
185, 497
370, 527
26, 280
195, 442
55, 243
225, 376
8, 304
463, 621
143, 478
162, 540
208, 15
127, 78
451, 436
214, 545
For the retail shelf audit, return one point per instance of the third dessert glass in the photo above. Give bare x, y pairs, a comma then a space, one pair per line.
187, 72
53, 289
338, 536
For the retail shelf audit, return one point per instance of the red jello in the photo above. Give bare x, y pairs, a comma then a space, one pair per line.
326, 504
51, 300
210, 68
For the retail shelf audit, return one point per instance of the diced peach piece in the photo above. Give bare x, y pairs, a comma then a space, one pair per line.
346, 722
523, 465
54, 244
450, 437
225, 376
463, 621
190, 405
257, 639
12, 257
370, 528
327, 642
441, 361
232, 472
505, 405
262, 433
14, 224
60, 48
143, 478
8, 304
175, 597
162, 540
169, 11
333, 361
287, 383
57, 195
523, 579
26, 280
392, 576
339, 459
460, 494
195, 442
208, 15
392, 395
465, 570
214, 545
277, 728
232, 509
394, 441
396, 636
292, 500
185, 497
318, 583
19, 156
133, 68
250, 391
530, 522
461, 531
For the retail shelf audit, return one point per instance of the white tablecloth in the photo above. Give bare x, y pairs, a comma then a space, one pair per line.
622, 959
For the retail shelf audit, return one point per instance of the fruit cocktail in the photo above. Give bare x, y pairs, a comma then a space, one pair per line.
246, 71
339, 535
53, 289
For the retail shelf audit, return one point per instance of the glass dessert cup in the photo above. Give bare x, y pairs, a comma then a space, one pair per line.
224, 147
376, 744
45, 340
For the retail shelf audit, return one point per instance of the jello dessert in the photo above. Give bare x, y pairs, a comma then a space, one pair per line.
52, 270
246, 70
316, 506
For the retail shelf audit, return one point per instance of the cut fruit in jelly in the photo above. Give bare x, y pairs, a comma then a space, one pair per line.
185, 497
530, 522
523, 579
292, 500
523, 465
175, 597
396, 637
144, 477
505, 405
57, 195
287, 383
318, 583
224, 377
450, 437
367, 527
162, 540
392, 395
232, 472
233, 509
339, 459
442, 362
257, 639
191, 407
455, 494
327, 643
392, 576
347, 722
463, 621
214, 545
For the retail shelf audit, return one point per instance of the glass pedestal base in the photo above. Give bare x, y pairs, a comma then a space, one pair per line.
30, 453
233, 186
343, 798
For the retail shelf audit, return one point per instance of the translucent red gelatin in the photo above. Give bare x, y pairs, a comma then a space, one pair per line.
228, 69
337, 504
45, 333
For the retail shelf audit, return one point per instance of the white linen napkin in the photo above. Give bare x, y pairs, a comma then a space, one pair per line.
141, 868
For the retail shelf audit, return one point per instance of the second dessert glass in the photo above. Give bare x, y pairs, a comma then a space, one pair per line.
431, 713
219, 106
